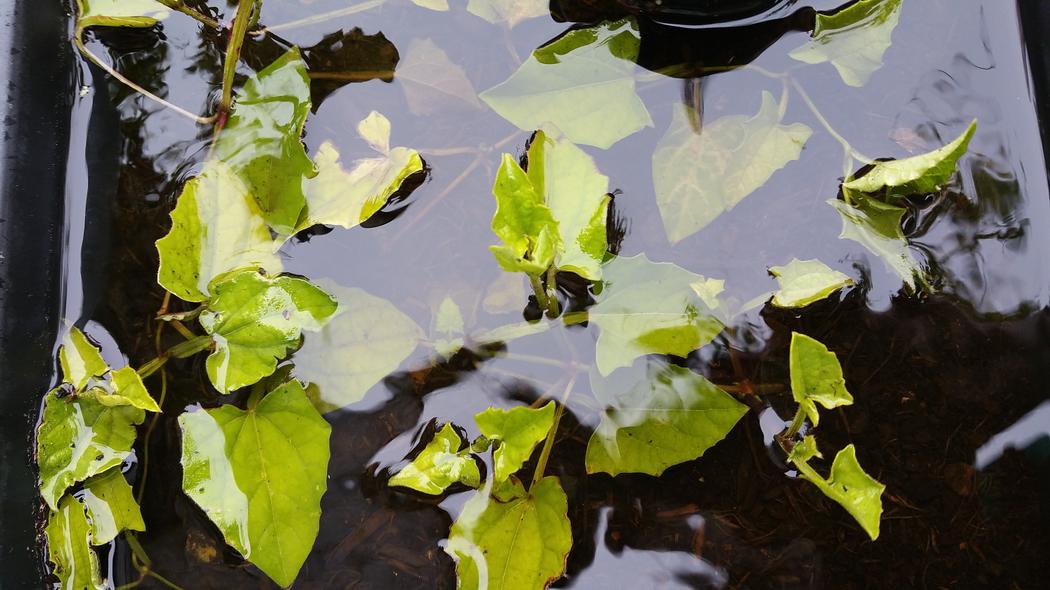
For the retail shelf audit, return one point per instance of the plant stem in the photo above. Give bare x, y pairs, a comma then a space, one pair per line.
182, 329
553, 309
545, 454
537, 289
180, 6
575, 318
149, 434
820, 117
796, 424
233, 52
180, 350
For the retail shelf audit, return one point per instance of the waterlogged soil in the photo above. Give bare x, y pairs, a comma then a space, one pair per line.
935, 378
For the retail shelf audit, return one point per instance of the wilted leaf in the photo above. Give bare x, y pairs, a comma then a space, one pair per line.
442, 462
582, 84
805, 281
853, 39
816, 377
111, 507
509, 12
76, 564
876, 225
698, 176
80, 359
523, 222
433, 83
342, 58
920, 174
849, 484
518, 431
120, 13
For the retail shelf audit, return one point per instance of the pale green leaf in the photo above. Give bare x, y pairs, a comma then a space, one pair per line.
509, 12
80, 359
650, 307
876, 225
848, 485
448, 328
805, 281
698, 176
128, 390
520, 544
111, 507
920, 174
259, 475
660, 415
375, 129
518, 431
366, 340
853, 39
80, 437
438, 5
216, 227
440, 464
523, 222
506, 294
120, 13
432, 82
816, 377
254, 321
582, 84
262, 139
76, 564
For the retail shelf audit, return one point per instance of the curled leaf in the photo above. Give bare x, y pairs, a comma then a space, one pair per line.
441, 463
806, 281
920, 174
518, 431
848, 484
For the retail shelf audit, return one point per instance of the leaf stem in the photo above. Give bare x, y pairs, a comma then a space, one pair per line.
820, 117
553, 308
320, 18
180, 6
796, 424
180, 350
545, 454
233, 52
537, 289
182, 329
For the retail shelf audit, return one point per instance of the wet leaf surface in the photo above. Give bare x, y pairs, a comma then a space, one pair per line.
816, 377
120, 13
439, 465
876, 225
76, 565
853, 39
806, 281
80, 359
111, 507
518, 431
848, 485
920, 174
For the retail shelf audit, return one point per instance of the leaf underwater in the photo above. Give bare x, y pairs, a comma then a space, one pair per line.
920, 174
508, 12
853, 39
876, 225
518, 431
803, 282
697, 177
259, 475
120, 13
432, 82
448, 328
439, 465
518, 544
816, 377
76, 564
660, 415
582, 84
848, 485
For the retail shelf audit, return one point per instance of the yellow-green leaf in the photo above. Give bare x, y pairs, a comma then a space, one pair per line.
523, 222
848, 485
76, 565
853, 39
508, 12
518, 431
816, 377
876, 225
111, 507
120, 13
80, 359
805, 281
128, 390
440, 464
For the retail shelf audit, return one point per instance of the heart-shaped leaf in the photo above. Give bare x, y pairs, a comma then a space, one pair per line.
848, 485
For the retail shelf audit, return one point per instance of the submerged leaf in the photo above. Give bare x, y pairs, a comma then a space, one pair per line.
816, 377
582, 83
254, 321
432, 82
650, 307
509, 12
80, 359
876, 225
216, 227
920, 174
76, 564
853, 39
518, 431
111, 507
365, 340
848, 485
805, 281
259, 475
520, 544
660, 416
523, 222
120, 13
698, 176
448, 328
438, 5
442, 462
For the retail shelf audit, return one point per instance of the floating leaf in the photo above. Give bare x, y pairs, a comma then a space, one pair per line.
254, 321
76, 564
216, 227
650, 307
876, 225
80, 359
375, 129
448, 328
442, 462
509, 12
849, 485
432, 82
365, 340
120, 13
438, 5
523, 222
519, 430
111, 507
80, 437
259, 475
816, 377
805, 281
520, 544
262, 139
661, 416
853, 39
128, 390
582, 83
698, 176
920, 174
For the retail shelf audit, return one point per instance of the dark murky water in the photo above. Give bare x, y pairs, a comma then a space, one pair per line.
950, 392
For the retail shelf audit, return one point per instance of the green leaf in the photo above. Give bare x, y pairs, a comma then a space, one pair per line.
254, 321
920, 174
80, 359
120, 13
216, 227
262, 139
876, 225
650, 307
698, 176
128, 390
448, 328
661, 415
442, 462
582, 83
365, 340
518, 431
816, 377
849, 485
805, 281
111, 507
348, 198
432, 82
80, 437
259, 475
508, 12
853, 39
76, 564
577, 195
523, 222
520, 544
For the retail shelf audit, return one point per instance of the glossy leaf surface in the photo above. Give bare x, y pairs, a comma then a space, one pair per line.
698, 176
920, 174
432, 82
441, 463
128, 390
582, 84
853, 39
80, 359
660, 415
848, 485
806, 281
255, 320
76, 564
876, 225
518, 431
259, 475
508, 12
816, 377
111, 507
523, 222
120, 13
